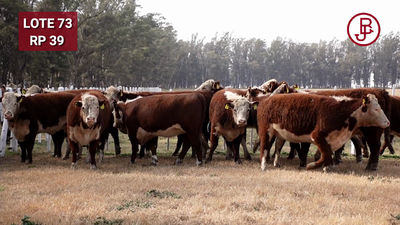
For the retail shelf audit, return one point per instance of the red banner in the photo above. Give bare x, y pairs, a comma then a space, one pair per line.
48, 31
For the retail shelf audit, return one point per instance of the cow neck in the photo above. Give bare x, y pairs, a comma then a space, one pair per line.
353, 109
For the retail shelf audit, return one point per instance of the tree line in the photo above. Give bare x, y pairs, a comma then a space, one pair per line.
118, 46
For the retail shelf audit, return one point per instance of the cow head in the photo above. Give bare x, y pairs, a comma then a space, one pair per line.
112, 93
90, 108
254, 92
270, 85
240, 110
10, 104
372, 113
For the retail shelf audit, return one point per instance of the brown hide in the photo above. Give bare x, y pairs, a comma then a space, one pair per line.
75, 123
371, 134
45, 108
394, 123
159, 112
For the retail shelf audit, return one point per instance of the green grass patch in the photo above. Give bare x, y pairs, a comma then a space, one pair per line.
132, 205
104, 221
162, 194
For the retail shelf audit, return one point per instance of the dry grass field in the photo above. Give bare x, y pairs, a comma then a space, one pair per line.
49, 192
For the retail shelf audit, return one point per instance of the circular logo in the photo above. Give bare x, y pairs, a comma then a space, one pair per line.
363, 29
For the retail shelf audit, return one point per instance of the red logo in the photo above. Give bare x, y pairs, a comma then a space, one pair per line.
363, 29
48, 31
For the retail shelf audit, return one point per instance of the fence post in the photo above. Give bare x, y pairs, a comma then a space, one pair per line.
3, 139
48, 142
13, 143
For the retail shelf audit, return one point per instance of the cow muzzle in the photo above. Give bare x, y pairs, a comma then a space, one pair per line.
8, 115
90, 121
242, 123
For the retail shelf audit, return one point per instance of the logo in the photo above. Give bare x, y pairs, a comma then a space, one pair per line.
363, 29
48, 31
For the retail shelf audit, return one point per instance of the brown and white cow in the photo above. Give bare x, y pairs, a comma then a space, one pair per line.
394, 124
164, 115
88, 123
229, 112
32, 114
373, 134
325, 121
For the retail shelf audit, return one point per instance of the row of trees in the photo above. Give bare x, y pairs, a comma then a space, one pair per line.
117, 46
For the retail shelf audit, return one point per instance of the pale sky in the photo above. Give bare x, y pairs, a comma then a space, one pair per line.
301, 21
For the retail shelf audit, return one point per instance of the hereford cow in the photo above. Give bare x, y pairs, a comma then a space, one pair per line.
328, 122
229, 112
372, 134
88, 123
394, 123
210, 86
29, 115
164, 115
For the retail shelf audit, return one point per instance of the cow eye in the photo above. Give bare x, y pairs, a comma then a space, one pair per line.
83, 107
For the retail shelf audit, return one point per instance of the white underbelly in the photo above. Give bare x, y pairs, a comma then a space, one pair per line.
276, 130
143, 136
83, 136
53, 129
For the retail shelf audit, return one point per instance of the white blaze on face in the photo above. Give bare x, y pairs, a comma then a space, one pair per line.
112, 93
240, 107
207, 85
374, 115
10, 105
90, 109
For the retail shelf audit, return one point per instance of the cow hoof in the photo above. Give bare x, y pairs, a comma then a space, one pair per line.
28, 161
199, 163
371, 168
93, 167
311, 166
65, 157
178, 161
238, 162
327, 169
263, 166
207, 160
248, 158
73, 166
278, 165
359, 159
117, 151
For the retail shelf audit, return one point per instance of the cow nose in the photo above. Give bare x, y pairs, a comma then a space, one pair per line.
388, 123
242, 122
8, 115
90, 120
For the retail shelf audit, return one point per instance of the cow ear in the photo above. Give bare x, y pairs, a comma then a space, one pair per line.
366, 101
101, 104
217, 85
23, 91
255, 105
78, 104
228, 105
20, 98
121, 93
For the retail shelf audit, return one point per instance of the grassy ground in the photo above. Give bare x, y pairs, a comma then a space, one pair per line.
49, 192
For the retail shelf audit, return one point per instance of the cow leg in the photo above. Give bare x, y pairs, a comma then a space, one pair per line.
74, 148
247, 155
278, 147
271, 142
256, 145
214, 143
29, 142
23, 151
92, 151
337, 156
235, 144
134, 144
317, 155
178, 145
357, 146
294, 147
229, 151
152, 145
58, 140
372, 135
383, 147
186, 145
303, 153
142, 150
265, 141
204, 144
115, 136
326, 153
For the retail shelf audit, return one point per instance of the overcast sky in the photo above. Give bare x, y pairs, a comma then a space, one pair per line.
301, 21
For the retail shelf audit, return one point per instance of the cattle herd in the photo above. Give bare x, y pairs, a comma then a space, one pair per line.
279, 113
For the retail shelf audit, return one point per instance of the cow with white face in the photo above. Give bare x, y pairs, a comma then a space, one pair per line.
88, 123
229, 112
